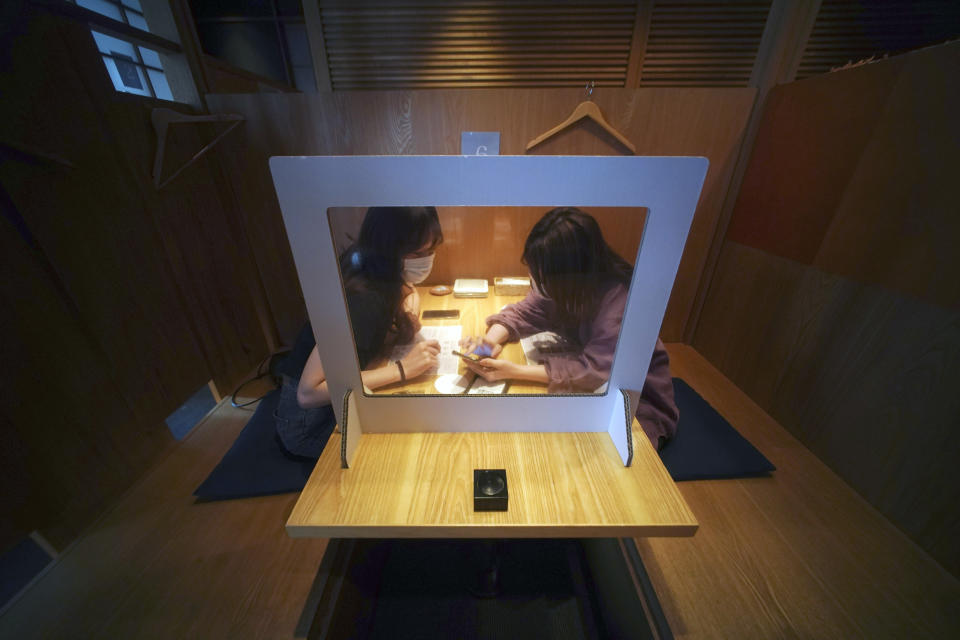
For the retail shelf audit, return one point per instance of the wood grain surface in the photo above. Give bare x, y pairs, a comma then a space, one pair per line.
125, 300
703, 122
473, 314
162, 564
62, 460
835, 300
421, 486
796, 555
862, 375
486, 242
854, 173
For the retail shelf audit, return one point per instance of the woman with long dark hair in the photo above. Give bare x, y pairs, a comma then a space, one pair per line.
393, 253
579, 290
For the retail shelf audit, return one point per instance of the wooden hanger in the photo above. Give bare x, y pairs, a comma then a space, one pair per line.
162, 118
586, 109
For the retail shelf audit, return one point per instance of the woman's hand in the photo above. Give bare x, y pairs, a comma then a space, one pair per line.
421, 358
485, 347
493, 370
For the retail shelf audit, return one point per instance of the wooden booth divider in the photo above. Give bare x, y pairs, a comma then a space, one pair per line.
835, 303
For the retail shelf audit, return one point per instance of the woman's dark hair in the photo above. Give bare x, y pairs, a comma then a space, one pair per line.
375, 261
569, 259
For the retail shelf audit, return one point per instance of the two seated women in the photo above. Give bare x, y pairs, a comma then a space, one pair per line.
579, 291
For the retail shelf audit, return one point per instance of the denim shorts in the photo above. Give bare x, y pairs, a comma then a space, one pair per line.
302, 432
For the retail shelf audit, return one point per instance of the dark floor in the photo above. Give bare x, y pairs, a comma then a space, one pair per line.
442, 589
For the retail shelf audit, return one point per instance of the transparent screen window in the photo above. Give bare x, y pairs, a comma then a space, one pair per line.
132, 69
486, 300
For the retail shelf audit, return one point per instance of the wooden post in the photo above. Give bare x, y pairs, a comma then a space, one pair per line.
784, 40
318, 49
638, 44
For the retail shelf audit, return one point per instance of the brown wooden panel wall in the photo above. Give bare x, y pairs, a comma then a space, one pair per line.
469, 233
139, 297
835, 303
707, 122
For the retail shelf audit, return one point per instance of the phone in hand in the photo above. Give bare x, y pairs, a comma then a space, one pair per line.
469, 357
484, 350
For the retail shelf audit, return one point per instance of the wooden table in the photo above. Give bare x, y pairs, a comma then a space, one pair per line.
473, 315
420, 485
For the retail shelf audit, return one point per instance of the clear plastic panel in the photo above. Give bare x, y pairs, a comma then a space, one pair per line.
136, 20
160, 86
150, 57
109, 44
126, 79
532, 297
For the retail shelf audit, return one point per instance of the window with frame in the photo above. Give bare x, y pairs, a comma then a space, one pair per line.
132, 68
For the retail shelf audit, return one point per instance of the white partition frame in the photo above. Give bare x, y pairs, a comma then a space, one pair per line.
669, 187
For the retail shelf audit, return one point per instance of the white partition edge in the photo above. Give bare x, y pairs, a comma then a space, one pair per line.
308, 186
621, 428
350, 431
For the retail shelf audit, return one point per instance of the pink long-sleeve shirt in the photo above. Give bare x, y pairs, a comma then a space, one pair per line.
588, 369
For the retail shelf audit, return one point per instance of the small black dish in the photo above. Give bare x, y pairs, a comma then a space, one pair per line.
490, 490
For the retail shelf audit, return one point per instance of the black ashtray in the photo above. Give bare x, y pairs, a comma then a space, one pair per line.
489, 489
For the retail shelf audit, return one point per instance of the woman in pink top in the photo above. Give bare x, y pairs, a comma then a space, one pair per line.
579, 291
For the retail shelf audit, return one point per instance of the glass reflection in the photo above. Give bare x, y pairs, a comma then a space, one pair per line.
394, 252
545, 317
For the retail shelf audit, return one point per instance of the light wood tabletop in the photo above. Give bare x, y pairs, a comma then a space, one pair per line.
420, 485
473, 315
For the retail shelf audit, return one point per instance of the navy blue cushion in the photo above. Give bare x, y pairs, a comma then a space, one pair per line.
707, 446
256, 465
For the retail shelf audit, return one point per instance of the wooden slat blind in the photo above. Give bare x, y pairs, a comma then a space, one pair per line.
703, 44
420, 45
849, 31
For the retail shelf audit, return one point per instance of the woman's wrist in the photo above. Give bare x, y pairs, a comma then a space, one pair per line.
531, 372
493, 340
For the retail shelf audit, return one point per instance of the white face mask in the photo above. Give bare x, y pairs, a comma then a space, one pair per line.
416, 270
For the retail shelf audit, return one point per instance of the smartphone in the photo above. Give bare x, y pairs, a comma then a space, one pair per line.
437, 314
469, 357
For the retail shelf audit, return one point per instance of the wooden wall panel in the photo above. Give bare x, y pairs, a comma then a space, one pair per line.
706, 122
202, 261
78, 442
809, 180
486, 242
91, 223
863, 375
897, 223
245, 165
197, 217
835, 300
859, 169
139, 296
18, 502
223, 77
